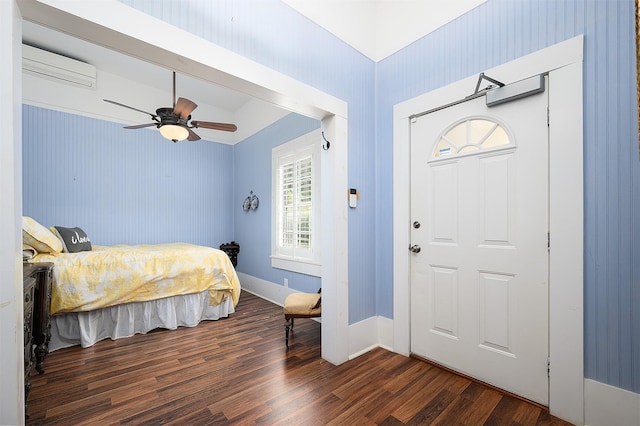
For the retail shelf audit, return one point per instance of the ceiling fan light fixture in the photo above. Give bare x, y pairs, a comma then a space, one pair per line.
173, 122
174, 132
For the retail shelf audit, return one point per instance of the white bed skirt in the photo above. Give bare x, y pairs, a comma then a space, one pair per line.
117, 322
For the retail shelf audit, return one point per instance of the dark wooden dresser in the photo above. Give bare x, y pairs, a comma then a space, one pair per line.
29, 286
42, 314
36, 279
41, 273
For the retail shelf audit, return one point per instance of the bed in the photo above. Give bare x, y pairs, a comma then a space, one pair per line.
118, 291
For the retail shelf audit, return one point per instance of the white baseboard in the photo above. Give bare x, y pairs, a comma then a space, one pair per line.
368, 334
606, 405
362, 337
275, 293
385, 333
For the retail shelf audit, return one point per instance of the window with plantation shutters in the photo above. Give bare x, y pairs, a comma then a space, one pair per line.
296, 198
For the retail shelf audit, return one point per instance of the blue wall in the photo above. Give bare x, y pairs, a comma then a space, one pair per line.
124, 186
253, 228
269, 32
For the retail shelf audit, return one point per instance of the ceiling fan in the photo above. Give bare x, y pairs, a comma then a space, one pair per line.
173, 122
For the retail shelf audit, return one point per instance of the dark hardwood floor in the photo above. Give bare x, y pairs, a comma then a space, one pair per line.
237, 371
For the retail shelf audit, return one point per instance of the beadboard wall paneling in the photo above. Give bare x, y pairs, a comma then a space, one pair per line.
252, 229
273, 34
499, 31
124, 186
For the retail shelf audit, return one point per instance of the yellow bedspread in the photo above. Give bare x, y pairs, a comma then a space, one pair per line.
113, 275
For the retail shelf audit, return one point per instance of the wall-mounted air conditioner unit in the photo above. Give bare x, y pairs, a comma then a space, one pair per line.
56, 67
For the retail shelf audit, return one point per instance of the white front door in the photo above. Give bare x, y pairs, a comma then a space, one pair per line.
479, 214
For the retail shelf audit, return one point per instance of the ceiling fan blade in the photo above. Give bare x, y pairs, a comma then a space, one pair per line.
192, 135
184, 107
153, 116
140, 126
225, 127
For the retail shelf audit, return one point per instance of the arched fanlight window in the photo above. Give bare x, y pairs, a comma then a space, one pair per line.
469, 136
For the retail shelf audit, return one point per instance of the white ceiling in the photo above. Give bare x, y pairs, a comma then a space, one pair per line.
122, 65
377, 28
143, 86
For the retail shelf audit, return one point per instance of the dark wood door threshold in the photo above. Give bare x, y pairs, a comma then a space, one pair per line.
473, 379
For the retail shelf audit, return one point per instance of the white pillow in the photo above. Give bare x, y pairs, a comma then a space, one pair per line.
39, 237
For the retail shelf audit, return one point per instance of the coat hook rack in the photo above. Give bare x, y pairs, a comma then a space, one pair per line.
328, 144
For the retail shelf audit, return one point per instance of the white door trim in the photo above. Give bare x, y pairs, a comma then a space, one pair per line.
563, 62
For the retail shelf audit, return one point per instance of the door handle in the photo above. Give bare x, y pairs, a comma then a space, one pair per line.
415, 248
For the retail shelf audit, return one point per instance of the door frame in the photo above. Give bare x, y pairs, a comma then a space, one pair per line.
563, 62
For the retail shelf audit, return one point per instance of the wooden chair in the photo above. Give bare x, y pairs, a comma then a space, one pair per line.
300, 305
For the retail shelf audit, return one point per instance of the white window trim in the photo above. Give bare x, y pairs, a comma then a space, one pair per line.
299, 266
308, 265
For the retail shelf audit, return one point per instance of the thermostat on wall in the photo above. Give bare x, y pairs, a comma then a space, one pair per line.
353, 197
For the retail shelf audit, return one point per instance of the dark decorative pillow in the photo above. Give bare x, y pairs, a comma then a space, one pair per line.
73, 239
